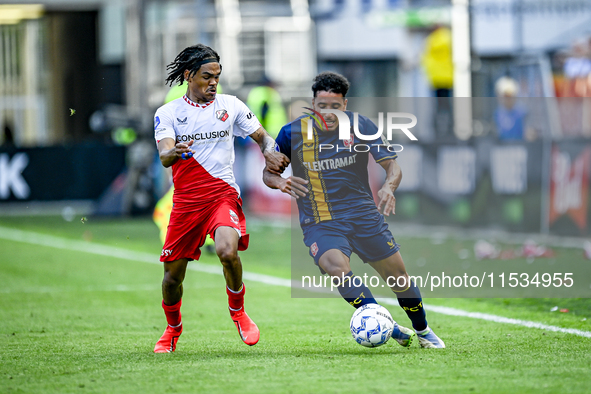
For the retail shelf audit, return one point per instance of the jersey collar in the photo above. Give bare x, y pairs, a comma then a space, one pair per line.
194, 104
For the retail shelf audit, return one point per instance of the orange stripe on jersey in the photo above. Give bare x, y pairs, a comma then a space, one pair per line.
318, 194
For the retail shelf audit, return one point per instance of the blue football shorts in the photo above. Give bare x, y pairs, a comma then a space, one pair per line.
369, 237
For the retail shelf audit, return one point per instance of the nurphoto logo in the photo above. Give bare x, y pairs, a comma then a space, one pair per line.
345, 129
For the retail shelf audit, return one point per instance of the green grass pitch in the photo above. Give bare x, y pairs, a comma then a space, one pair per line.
76, 322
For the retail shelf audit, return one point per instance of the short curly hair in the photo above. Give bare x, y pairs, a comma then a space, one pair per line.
330, 82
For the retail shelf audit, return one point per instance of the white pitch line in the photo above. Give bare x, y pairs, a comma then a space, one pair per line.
113, 288
497, 319
126, 254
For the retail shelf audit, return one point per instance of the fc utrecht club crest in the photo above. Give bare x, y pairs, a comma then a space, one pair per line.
349, 142
233, 216
221, 114
314, 249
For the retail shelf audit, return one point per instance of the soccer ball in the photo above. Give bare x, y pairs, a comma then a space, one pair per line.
371, 325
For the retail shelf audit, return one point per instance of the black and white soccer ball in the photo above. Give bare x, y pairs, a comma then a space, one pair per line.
371, 325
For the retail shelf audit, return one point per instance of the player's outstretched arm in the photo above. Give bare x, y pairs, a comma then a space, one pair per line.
386, 193
294, 186
170, 152
275, 160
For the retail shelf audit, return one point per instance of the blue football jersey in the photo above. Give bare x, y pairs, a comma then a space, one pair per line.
336, 169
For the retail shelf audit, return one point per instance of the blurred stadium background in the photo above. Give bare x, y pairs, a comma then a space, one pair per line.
500, 87
501, 90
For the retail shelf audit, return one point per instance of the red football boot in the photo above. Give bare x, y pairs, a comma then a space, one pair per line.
168, 340
249, 332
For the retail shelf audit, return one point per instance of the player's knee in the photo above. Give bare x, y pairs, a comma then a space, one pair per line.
335, 267
399, 282
171, 281
227, 254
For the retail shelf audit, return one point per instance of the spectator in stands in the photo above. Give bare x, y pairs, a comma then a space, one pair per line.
265, 102
438, 65
8, 136
578, 65
511, 117
577, 70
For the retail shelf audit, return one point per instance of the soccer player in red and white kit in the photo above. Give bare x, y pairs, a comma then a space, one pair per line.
195, 135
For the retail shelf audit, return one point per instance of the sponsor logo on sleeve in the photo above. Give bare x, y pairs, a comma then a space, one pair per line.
156, 122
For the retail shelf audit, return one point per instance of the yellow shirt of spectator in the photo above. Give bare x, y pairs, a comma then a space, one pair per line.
437, 59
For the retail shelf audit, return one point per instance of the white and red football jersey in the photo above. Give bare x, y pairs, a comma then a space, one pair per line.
209, 175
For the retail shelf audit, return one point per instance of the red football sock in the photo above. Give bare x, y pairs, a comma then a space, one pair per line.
173, 313
236, 299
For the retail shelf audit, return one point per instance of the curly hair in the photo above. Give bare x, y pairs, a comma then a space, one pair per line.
330, 82
191, 58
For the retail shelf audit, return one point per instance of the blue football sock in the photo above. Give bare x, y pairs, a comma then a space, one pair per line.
354, 291
411, 301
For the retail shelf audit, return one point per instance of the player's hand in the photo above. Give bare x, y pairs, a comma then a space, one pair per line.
294, 186
183, 150
276, 162
387, 202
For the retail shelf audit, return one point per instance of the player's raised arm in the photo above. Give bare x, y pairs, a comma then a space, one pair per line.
386, 193
276, 161
294, 186
170, 152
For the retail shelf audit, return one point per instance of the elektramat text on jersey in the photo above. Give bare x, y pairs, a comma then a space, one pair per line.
338, 185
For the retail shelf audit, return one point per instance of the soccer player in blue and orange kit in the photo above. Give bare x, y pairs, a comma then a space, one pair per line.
337, 212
